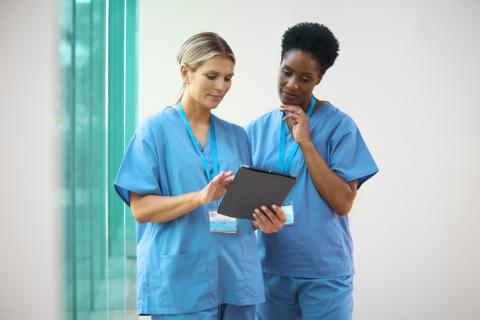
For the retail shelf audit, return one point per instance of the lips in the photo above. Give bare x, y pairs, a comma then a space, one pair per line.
215, 97
289, 95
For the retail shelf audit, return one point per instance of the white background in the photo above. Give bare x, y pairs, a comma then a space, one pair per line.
30, 236
408, 73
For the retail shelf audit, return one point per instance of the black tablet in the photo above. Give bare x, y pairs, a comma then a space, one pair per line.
255, 187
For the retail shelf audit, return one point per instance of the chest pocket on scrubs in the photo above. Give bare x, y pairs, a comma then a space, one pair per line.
179, 282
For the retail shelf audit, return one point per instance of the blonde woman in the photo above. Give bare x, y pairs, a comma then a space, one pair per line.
193, 263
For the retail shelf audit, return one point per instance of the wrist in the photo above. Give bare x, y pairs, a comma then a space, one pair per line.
198, 199
306, 144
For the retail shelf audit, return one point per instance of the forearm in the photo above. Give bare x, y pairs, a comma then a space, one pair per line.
153, 208
337, 192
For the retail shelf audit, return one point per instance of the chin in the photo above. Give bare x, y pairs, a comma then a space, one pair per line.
214, 104
211, 106
292, 102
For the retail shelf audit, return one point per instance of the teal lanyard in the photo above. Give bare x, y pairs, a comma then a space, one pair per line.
196, 144
283, 129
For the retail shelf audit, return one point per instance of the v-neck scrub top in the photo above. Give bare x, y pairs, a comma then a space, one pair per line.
182, 266
319, 243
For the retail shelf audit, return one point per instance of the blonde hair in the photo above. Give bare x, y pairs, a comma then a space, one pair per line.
200, 48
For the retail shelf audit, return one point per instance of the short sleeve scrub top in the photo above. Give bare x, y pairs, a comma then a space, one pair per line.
182, 266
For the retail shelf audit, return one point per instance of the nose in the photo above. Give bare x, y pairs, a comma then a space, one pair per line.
292, 84
221, 85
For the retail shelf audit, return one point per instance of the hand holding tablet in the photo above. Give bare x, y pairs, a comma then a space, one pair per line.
254, 188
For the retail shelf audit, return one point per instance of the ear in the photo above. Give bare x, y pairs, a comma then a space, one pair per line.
320, 77
185, 73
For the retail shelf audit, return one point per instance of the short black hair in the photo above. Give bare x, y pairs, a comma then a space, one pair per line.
313, 38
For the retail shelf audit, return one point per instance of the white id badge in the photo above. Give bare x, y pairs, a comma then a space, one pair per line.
289, 214
221, 223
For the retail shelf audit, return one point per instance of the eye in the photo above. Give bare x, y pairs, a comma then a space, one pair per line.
228, 79
305, 79
286, 72
211, 76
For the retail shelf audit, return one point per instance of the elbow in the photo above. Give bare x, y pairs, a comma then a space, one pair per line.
344, 207
343, 210
138, 217
138, 209
138, 214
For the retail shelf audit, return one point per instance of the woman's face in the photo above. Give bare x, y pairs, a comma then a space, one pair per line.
210, 82
299, 74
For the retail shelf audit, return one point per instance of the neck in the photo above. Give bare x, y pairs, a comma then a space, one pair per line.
196, 114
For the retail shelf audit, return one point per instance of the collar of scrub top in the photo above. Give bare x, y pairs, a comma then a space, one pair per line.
196, 144
283, 130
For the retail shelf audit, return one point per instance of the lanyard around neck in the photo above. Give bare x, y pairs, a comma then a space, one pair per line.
196, 144
283, 130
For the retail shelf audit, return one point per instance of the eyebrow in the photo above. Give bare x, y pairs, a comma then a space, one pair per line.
302, 74
216, 72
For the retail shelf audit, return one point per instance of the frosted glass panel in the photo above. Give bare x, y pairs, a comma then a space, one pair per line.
99, 116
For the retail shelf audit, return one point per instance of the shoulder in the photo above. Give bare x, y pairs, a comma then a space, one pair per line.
152, 126
229, 127
267, 118
336, 119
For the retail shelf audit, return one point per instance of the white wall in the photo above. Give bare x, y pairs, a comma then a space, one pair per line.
408, 73
30, 270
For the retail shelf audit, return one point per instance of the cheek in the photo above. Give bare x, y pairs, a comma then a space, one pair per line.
204, 86
197, 85
307, 88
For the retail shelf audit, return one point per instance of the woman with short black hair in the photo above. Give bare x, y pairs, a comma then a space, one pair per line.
308, 266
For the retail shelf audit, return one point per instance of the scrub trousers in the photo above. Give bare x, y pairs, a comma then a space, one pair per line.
222, 312
294, 298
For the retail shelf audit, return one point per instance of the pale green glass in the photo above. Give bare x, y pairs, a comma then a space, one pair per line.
99, 241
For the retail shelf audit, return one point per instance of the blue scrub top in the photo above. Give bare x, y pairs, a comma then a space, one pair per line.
182, 266
318, 244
